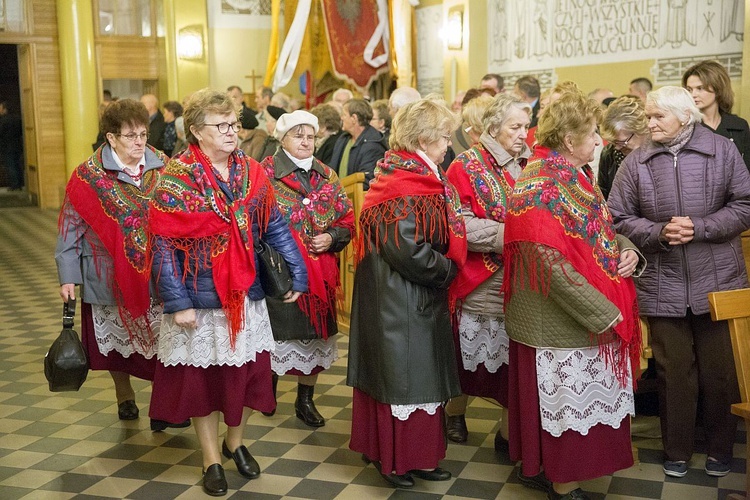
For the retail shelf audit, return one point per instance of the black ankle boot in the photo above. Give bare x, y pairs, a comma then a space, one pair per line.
305, 408
274, 382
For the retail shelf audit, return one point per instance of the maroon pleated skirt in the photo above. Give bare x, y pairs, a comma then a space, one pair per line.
399, 446
570, 457
181, 392
135, 364
481, 382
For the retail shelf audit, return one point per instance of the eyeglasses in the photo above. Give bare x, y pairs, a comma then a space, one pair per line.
446, 137
131, 137
224, 127
622, 144
300, 137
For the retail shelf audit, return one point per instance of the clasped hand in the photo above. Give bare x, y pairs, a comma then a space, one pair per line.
678, 231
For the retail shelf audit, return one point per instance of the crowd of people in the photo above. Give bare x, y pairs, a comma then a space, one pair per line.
504, 250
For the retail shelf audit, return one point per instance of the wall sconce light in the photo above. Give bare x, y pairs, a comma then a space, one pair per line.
190, 43
454, 29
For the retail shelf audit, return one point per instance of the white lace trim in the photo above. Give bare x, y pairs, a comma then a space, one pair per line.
483, 340
111, 334
303, 355
208, 344
577, 391
402, 412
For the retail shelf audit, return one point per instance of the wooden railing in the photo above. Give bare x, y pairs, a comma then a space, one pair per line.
354, 187
734, 307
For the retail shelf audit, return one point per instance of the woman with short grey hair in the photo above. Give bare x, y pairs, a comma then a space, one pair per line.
684, 198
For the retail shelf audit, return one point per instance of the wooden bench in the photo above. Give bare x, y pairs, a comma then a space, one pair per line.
734, 306
354, 186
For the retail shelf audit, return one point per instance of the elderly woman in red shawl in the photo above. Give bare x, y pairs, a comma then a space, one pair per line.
401, 359
570, 310
321, 219
215, 339
484, 176
101, 246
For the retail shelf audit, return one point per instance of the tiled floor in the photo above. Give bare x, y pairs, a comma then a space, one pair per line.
71, 445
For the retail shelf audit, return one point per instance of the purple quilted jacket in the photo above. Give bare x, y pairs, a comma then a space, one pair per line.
706, 181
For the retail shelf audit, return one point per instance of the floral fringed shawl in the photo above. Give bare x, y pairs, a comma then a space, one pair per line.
556, 206
190, 213
116, 212
310, 214
485, 187
402, 175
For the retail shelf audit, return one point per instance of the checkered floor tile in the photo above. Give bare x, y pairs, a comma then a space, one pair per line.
72, 445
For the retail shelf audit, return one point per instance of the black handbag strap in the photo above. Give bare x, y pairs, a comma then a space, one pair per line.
69, 312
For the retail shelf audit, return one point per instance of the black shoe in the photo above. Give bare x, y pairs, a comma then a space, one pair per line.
501, 444
127, 410
274, 382
398, 481
455, 428
214, 481
305, 408
160, 425
436, 474
576, 494
247, 466
538, 482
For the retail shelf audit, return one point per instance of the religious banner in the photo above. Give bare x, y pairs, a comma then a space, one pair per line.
532, 34
358, 39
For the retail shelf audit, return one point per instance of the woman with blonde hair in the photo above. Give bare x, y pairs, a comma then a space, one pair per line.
570, 310
475, 104
401, 359
625, 126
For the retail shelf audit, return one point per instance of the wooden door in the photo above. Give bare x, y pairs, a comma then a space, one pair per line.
26, 84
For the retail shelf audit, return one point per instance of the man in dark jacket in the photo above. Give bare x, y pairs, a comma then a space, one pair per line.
360, 146
156, 121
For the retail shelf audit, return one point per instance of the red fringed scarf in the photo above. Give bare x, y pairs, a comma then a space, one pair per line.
403, 175
555, 205
192, 215
309, 214
485, 187
116, 212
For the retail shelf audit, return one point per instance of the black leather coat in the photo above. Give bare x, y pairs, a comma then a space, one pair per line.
401, 342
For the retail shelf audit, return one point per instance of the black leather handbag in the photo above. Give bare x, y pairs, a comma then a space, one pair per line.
66, 364
273, 270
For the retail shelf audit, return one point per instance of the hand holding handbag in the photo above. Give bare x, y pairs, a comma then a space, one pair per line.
66, 364
273, 270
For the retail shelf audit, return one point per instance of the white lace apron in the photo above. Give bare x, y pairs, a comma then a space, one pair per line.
111, 334
483, 340
402, 412
303, 355
577, 391
208, 344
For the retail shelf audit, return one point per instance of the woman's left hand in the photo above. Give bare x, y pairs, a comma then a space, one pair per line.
291, 296
628, 263
321, 243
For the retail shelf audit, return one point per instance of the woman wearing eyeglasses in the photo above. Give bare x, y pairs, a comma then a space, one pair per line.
625, 126
211, 204
101, 246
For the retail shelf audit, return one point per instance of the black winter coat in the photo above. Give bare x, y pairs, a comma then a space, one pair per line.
736, 130
366, 151
401, 347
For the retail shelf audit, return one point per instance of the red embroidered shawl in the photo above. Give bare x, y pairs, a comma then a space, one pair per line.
404, 175
192, 215
310, 214
116, 212
485, 187
555, 205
